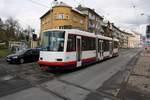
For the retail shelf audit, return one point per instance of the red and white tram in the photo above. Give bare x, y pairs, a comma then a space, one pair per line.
71, 48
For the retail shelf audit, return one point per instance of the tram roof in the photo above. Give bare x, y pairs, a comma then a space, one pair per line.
104, 37
116, 39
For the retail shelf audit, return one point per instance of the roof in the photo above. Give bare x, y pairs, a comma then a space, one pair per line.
62, 4
91, 10
46, 13
78, 11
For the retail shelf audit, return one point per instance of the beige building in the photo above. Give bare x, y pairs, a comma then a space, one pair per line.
134, 41
121, 35
63, 16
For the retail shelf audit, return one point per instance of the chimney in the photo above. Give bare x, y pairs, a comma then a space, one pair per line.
79, 6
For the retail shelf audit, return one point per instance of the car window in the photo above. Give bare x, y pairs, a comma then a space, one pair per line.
36, 52
21, 52
29, 52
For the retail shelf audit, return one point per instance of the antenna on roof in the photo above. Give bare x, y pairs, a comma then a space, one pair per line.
55, 2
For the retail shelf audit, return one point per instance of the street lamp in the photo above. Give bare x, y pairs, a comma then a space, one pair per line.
148, 17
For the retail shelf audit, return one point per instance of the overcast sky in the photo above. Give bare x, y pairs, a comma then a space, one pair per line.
124, 13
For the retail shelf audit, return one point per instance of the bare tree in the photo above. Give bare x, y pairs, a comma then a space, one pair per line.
11, 25
10, 30
2, 31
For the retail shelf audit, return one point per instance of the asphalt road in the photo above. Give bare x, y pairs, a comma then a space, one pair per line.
87, 83
16, 77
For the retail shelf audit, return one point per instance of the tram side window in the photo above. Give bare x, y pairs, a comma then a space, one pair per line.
71, 43
88, 43
99, 46
106, 45
92, 44
84, 43
115, 44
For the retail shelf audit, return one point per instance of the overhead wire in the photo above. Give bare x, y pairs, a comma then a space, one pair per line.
37, 3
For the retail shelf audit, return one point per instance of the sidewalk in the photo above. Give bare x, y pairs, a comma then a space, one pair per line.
138, 85
141, 74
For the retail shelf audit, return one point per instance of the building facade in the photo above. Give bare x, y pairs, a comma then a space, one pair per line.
63, 16
108, 29
94, 20
134, 40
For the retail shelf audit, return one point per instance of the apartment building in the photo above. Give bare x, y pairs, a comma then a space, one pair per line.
63, 16
94, 22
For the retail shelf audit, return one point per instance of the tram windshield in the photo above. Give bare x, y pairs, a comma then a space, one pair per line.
53, 41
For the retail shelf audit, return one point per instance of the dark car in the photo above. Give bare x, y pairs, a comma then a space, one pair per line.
28, 55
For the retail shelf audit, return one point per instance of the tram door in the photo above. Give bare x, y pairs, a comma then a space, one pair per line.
78, 49
100, 49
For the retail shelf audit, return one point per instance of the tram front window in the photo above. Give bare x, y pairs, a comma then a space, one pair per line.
53, 41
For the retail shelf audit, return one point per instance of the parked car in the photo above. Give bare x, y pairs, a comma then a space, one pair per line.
28, 55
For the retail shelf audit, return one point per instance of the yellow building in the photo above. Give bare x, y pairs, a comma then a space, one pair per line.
134, 41
62, 16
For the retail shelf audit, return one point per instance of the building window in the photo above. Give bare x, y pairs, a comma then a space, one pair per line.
81, 21
65, 27
61, 16
61, 27
67, 17
116, 44
75, 19
91, 16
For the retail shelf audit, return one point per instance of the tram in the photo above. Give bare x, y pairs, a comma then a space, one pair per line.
72, 48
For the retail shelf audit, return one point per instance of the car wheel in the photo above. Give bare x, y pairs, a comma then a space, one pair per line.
21, 61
